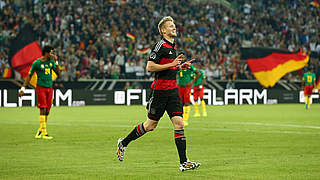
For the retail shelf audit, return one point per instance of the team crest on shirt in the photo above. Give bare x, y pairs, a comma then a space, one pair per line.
152, 111
42, 66
153, 55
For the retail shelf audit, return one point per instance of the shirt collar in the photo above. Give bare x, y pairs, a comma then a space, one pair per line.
171, 44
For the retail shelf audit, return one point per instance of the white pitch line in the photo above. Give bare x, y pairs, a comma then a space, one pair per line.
188, 128
218, 122
269, 124
193, 128
195, 122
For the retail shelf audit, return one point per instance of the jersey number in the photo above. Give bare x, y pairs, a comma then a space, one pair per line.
181, 74
309, 79
47, 71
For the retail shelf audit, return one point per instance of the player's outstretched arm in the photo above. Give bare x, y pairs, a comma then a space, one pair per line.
154, 67
23, 88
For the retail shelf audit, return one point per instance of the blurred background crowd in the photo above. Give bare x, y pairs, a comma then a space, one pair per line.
111, 39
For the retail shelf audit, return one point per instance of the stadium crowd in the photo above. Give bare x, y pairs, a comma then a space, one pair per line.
111, 39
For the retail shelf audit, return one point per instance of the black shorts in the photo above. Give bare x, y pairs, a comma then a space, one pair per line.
164, 100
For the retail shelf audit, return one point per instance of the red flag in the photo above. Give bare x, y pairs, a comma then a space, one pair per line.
24, 49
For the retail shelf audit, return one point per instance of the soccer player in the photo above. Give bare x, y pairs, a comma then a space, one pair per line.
185, 81
164, 96
198, 87
43, 67
308, 83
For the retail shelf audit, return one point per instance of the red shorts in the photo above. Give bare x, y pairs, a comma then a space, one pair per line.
184, 93
197, 92
44, 97
308, 90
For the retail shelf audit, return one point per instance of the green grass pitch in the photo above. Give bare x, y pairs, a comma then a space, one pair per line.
273, 142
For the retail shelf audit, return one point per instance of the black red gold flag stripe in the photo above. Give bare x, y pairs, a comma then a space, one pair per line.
24, 49
318, 84
268, 65
316, 3
7, 73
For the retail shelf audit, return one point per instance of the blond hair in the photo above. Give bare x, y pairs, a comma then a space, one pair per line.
162, 21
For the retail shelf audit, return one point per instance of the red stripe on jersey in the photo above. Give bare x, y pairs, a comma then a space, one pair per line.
160, 84
166, 60
166, 45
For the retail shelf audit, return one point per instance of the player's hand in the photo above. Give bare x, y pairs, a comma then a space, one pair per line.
178, 60
21, 91
54, 57
187, 64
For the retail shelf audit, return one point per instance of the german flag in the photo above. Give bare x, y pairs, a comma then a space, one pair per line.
143, 51
316, 3
7, 73
116, 1
131, 36
318, 85
268, 65
24, 49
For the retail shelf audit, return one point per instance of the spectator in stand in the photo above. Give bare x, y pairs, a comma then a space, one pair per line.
129, 69
107, 68
115, 71
217, 72
230, 84
241, 74
100, 74
139, 70
120, 60
93, 66
127, 86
